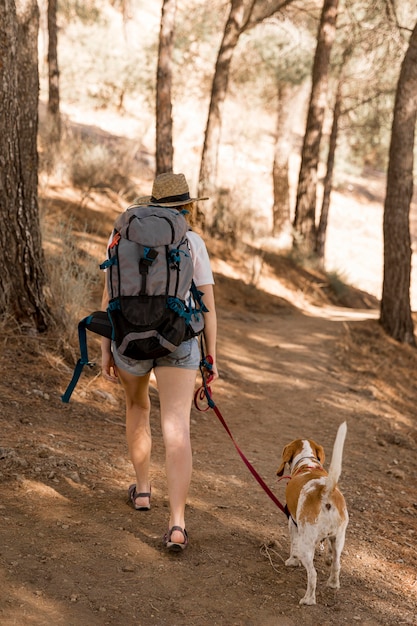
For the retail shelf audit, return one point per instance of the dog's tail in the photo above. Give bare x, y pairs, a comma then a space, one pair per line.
335, 468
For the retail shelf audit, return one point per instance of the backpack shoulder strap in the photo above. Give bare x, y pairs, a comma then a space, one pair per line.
83, 360
98, 322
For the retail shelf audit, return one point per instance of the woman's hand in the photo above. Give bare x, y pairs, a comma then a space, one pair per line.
210, 331
108, 366
212, 374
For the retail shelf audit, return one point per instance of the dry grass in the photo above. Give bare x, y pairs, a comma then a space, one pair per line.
72, 277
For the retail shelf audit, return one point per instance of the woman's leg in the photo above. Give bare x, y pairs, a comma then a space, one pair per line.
176, 387
138, 431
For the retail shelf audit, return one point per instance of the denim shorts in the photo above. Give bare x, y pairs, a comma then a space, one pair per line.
186, 356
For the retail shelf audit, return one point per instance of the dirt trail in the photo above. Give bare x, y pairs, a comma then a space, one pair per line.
73, 552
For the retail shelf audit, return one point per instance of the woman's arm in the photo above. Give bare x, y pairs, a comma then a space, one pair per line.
108, 367
210, 325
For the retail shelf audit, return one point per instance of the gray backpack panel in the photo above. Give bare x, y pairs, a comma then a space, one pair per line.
154, 304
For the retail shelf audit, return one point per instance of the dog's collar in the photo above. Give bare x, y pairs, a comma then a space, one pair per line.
313, 459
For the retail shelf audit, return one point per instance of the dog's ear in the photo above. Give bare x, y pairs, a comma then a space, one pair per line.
287, 455
281, 468
318, 451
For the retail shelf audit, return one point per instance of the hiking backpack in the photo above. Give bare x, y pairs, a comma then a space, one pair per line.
154, 304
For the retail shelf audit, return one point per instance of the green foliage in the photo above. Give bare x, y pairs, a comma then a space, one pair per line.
102, 68
231, 220
86, 11
200, 22
91, 166
273, 53
368, 131
198, 31
88, 158
102, 165
338, 284
99, 69
368, 52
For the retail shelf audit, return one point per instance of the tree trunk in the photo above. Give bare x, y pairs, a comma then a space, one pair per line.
22, 277
261, 10
243, 15
305, 210
281, 222
164, 144
53, 75
208, 167
395, 316
328, 179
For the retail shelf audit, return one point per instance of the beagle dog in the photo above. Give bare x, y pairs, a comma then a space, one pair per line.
317, 509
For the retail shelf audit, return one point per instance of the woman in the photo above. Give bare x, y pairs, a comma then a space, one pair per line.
175, 375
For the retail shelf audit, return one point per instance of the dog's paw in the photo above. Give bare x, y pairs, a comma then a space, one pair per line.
333, 582
309, 600
292, 562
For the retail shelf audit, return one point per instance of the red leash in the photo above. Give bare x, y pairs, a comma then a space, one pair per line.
204, 393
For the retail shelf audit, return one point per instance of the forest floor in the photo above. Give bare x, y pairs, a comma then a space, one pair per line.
294, 362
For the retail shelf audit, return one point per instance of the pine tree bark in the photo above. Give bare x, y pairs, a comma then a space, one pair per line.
53, 75
208, 166
395, 316
22, 277
328, 179
281, 222
164, 143
305, 209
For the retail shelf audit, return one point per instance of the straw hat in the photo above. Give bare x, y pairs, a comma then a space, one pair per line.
169, 190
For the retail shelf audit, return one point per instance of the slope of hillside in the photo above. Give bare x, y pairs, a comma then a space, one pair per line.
296, 358
293, 363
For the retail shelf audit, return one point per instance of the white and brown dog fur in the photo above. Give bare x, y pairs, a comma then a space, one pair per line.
316, 506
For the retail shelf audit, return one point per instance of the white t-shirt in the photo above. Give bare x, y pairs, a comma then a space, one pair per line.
203, 274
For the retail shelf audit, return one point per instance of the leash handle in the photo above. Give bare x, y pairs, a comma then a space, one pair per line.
199, 397
204, 392
206, 365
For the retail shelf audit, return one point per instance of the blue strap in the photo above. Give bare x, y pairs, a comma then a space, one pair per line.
197, 295
114, 305
83, 360
177, 305
108, 263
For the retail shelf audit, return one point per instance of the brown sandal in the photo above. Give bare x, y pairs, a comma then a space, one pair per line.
133, 495
172, 545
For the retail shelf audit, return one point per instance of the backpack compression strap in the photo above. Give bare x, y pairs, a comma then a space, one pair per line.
99, 323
